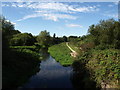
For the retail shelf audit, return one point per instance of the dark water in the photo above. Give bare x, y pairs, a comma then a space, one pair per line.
51, 75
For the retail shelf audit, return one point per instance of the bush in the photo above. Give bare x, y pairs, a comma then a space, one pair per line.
106, 66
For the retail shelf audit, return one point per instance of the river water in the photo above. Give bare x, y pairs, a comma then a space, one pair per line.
51, 75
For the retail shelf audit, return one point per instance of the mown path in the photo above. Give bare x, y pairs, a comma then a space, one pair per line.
70, 47
74, 53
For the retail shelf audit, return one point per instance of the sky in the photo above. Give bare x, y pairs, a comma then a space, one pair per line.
61, 18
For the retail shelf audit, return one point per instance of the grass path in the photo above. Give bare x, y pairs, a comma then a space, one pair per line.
74, 53
70, 47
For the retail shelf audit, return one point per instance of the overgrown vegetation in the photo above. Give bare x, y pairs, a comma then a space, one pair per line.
105, 65
101, 54
18, 62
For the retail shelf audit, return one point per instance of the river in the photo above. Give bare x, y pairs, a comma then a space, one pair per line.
51, 75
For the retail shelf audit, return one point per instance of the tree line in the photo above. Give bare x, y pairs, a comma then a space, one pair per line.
16, 38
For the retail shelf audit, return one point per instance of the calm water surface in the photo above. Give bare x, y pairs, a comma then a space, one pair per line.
51, 75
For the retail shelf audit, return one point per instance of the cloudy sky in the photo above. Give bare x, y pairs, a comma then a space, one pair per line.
62, 18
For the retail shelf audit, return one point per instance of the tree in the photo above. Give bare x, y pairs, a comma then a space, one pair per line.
106, 32
64, 38
44, 38
7, 32
54, 35
6, 27
22, 39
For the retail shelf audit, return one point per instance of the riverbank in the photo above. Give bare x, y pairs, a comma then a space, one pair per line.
18, 65
103, 65
61, 53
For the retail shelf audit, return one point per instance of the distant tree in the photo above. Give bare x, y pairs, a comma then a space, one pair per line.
54, 35
22, 39
44, 38
64, 38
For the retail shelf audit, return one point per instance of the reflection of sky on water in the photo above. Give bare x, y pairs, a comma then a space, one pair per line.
51, 75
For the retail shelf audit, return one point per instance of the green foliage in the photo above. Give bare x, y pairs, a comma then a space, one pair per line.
106, 65
6, 25
18, 65
106, 32
100, 52
61, 53
35, 48
7, 32
22, 39
44, 38
64, 38
73, 39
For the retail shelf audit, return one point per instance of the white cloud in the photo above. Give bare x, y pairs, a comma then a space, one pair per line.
60, 7
50, 16
53, 11
74, 25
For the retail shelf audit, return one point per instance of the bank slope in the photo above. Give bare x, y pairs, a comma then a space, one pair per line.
61, 53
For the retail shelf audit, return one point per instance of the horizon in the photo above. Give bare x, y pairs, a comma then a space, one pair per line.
63, 18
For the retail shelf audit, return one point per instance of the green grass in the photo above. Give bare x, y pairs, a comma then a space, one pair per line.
61, 53
33, 48
74, 47
23, 47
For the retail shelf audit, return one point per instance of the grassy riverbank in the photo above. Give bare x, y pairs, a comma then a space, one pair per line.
102, 65
18, 65
61, 53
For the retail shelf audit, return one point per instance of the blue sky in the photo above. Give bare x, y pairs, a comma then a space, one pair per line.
62, 18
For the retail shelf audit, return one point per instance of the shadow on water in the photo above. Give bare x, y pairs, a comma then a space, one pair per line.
81, 77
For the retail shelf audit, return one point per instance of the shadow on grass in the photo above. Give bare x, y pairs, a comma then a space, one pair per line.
17, 68
81, 77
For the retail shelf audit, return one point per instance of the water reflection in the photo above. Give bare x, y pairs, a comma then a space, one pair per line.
54, 75
44, 53
51, 75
